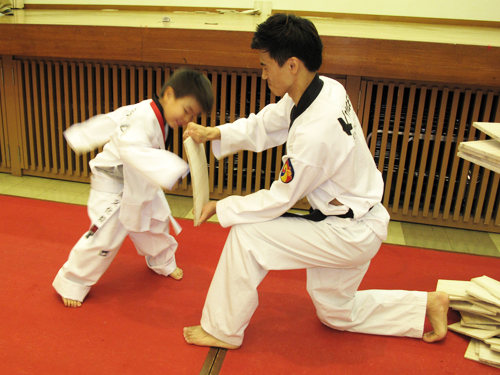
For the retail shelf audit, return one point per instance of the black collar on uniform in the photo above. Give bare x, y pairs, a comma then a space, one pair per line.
307, 98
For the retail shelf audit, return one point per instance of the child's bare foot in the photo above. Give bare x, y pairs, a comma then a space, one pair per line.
177, 274
71, 303
437, 312
197, 336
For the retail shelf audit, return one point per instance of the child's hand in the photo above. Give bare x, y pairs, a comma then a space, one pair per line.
200, 133
208, 211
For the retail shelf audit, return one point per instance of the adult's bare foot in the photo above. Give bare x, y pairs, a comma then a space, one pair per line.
71, 303
177, 274
196, 335
437, 312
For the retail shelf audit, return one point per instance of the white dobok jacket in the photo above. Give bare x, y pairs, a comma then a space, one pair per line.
326, 158
134, 139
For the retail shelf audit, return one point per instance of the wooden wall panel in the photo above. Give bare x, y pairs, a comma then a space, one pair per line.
357, 57
416, 61
71, 41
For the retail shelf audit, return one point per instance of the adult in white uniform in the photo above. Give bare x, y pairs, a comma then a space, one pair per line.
128, 178
327, 160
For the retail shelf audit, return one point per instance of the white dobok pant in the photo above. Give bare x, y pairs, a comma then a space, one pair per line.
92, 255
336, 253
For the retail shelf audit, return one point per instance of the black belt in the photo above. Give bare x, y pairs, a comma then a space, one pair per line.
317, 215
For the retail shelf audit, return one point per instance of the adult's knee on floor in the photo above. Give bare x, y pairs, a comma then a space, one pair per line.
339, 320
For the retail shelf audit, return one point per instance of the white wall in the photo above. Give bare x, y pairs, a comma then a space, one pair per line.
479, 10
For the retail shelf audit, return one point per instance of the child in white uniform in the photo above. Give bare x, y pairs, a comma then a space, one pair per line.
128, 177
328, 161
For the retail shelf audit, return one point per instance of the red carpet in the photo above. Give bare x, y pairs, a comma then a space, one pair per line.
285, 337
130, 323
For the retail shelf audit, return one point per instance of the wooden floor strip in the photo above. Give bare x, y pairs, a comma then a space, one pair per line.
213, 361
219, 360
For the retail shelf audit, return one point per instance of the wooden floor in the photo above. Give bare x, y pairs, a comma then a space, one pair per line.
327, 26
400, 233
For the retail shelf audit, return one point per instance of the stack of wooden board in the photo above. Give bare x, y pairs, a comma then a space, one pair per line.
478, 302
485, 153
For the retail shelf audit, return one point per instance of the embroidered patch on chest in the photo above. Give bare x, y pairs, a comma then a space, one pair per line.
287, 172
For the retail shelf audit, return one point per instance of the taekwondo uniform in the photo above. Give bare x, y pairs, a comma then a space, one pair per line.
328, 161
126, 196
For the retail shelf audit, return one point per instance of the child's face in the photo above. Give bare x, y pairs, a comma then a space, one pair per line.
180, 111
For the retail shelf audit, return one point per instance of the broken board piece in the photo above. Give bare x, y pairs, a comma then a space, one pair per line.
488, 149
486, 355
486, 153
493, 341
199, 176
488, 306
479, 326
472, 352
482, 294
455, 288
490, 128
476, 160
472, 332
496, 317
471, 318
470, 307
489, 284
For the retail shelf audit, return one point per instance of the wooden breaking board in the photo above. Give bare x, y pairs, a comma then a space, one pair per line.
199, 176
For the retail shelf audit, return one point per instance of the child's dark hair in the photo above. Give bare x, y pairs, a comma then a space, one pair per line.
287, 35
188, 82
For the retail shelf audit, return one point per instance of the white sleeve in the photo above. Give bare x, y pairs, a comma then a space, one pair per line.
96, 131
90, 134
136, 150
258, 132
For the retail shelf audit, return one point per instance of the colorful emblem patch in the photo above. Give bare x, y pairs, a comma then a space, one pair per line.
287, 172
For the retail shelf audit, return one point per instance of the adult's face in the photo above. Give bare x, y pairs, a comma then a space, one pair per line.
279, 79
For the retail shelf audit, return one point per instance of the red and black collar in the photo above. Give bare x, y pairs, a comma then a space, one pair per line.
158, 110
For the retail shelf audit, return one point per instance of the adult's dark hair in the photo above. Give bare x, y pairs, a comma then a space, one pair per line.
188, 82
287, 35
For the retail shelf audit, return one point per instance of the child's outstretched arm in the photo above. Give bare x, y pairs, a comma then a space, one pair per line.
200, 133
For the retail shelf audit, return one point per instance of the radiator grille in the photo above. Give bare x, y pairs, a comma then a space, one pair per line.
418, 129
413, 131
57, 94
